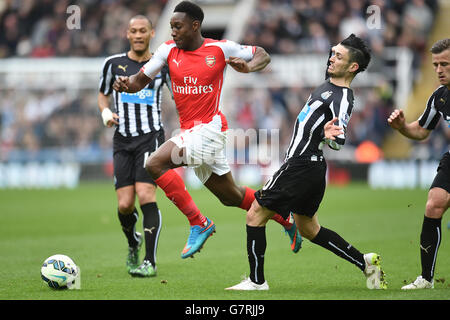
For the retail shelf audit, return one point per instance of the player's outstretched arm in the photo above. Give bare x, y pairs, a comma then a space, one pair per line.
411, 130
132, 84
260, 60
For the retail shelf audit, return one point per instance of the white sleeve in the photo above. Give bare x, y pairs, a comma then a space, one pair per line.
157, 62
233, 49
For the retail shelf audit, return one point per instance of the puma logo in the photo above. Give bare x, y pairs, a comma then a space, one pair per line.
149, 230
425, 249
176, 62
124, 68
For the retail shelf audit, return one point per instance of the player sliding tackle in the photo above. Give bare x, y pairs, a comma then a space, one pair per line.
197, 68
299, 185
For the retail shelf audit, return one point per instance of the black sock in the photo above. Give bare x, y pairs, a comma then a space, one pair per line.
152, 228
128, 223
330, 240
430, 239
256, 247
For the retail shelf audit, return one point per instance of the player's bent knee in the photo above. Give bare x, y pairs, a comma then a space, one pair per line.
126, 207
154, 167
309, 229
434, 210
437, 203
146, 193
257, 216
308, 233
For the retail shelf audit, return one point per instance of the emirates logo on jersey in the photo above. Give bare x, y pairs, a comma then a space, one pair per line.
210, 61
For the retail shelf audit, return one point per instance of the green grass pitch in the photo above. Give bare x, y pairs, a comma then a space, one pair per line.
82, 223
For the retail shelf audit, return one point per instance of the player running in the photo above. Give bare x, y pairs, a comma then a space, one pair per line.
299, 185
138, 133
197, 69
439, 195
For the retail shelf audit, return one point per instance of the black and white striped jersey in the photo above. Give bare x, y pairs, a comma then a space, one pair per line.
325, 102
140, 112
438, 105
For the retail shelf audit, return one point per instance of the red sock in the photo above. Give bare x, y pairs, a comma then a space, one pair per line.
249, 197
175, 189
282, 221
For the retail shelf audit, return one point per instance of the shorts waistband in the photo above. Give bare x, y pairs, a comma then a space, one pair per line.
311, 158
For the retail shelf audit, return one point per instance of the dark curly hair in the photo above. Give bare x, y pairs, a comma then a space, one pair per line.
358, 50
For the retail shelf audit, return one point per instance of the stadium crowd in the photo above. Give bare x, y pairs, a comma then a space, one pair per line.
38, 28
309, 26
49, 119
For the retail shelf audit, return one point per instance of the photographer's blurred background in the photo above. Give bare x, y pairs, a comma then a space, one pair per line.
51, 132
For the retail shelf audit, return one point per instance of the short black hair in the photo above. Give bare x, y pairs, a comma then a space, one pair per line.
191, 9
440, 46
358, 50
142, 17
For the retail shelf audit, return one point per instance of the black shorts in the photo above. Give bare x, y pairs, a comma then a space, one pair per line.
442, 178
298, 187
129, 156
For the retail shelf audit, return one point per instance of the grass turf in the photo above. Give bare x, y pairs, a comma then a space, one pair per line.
82, 223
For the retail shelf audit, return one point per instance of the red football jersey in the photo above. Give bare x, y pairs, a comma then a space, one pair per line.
197, 77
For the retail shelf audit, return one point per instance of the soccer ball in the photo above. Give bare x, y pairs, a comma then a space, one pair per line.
60, 272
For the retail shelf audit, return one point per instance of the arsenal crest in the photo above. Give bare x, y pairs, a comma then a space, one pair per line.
210, 61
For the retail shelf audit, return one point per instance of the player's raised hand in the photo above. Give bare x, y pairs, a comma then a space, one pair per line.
331, 130
238, 64
121, 84
397, 119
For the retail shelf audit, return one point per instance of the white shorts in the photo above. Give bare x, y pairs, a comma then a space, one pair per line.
205, 148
